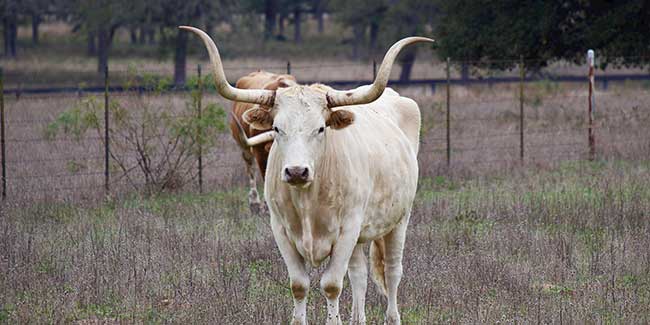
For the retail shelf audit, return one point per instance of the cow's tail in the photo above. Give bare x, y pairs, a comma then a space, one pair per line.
377, 256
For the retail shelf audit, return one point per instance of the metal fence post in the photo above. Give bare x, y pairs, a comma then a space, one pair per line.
448, 114
2, 136
200, 132
521, 107
106, 137
288, 67
592, 80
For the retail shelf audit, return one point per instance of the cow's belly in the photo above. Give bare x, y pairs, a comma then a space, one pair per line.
385, 211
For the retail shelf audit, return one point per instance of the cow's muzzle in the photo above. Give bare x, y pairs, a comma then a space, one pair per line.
296, 175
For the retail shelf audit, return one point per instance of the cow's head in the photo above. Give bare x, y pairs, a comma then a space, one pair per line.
299, 116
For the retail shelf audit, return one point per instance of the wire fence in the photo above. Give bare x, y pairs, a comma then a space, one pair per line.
469, 128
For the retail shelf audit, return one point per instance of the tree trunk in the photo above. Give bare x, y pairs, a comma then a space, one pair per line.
13, 35
374, 35
5, 35
180, 57
297, 20
464, 71
103, 39
281, 25
270, 14
142, 35
91, 45
358, 31
320, 18
36, 21
10, 29
133, 34
151, 36
407, 61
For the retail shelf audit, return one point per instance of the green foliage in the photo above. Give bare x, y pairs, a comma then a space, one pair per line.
491, 32
77, 120
495, 33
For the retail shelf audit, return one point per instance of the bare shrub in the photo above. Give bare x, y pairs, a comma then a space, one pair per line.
153, 146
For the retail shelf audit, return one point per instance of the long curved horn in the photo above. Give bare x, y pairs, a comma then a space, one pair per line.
369, 94
254, 96
260, 138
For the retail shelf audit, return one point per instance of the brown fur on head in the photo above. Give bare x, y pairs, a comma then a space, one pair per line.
258, 118
262, 119
340, 119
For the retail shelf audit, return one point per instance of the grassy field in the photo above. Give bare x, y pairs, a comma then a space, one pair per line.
565, 244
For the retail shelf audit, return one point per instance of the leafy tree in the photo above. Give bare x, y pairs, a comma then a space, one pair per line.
36, 9
202, 13
408, 18
359, 15
101, 19
386, 21
495, 33
618, 30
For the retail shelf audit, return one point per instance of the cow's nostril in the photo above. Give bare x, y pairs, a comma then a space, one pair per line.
287, 172
305, 172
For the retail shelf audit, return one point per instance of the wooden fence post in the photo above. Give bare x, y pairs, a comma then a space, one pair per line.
448, 114
2, 136
592, 80
106, 136
200, 132
522, 75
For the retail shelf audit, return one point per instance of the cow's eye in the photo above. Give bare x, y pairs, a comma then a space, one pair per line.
275, 128
321, 130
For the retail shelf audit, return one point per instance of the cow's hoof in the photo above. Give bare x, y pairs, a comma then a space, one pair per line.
334, 320
392, 320
258, 208
297, 321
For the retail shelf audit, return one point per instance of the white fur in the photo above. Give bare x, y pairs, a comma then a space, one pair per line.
362, 184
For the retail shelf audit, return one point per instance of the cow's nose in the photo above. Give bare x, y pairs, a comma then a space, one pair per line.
296, 174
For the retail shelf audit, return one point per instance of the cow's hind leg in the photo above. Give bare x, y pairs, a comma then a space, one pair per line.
394, 250
358, 274
298, 276
254, 202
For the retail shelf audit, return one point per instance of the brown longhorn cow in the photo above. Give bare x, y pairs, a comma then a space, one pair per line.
239, 127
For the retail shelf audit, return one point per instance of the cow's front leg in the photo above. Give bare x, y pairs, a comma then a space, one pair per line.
298, 276
332, 281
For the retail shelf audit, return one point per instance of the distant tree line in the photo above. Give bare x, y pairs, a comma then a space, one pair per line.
496, 33
481, 32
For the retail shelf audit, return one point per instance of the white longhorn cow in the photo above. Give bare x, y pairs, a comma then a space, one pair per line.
336, 179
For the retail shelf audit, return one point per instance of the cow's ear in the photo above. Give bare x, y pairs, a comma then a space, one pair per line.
340, 119
258, 118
